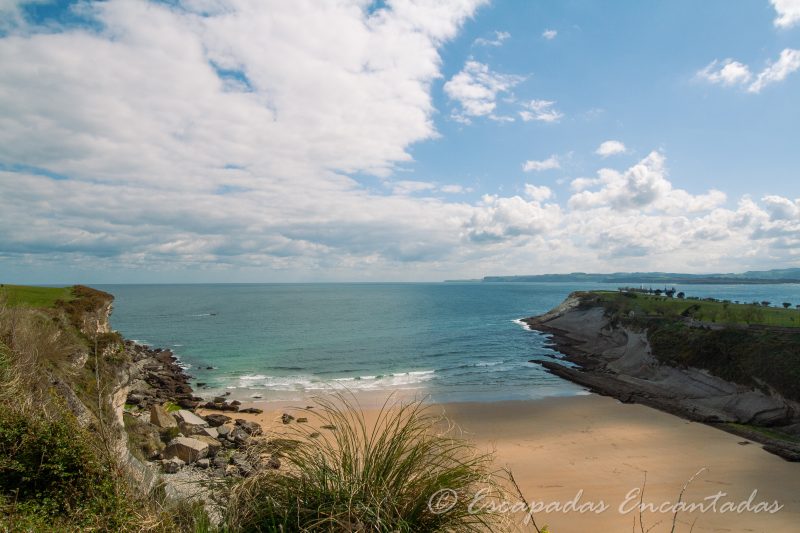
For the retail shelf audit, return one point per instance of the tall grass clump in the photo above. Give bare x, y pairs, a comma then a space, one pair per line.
341, 473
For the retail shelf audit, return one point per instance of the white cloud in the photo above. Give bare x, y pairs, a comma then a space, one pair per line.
499, 38
541, 110
455, 189
727, 72
549, 34
787, 63
538, 193
546, 164
193, 140
608, 148
476, 87
731, 73
788, 12
409, 187
643, 186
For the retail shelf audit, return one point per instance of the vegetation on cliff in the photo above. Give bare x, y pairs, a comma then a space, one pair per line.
60, 466
751, 344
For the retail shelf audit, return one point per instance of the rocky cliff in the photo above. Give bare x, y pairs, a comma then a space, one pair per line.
612, 357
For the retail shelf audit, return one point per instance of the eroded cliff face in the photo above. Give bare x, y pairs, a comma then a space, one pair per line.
617, 360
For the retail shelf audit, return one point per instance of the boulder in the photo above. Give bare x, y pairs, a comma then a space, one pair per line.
251, 410
186, 449
159, 417
238, 436
203, 463
216, 420
210, 432
190, 418
251, 428
223, 431
219, 399
171, 466
214, 445
286, 418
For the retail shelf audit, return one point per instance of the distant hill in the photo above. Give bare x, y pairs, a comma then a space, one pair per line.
786, 275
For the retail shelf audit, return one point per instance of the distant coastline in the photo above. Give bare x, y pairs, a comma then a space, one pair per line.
763, 277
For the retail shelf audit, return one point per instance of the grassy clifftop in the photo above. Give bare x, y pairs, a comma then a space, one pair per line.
29, 296
751, 344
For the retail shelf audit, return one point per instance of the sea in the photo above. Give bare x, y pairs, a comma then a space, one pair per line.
448, 342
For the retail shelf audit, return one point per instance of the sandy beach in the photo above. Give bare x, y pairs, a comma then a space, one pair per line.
594, 451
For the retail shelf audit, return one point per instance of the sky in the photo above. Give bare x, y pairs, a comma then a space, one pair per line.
399, 140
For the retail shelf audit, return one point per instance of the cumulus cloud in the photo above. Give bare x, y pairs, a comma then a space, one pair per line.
608, 148
501, 219
549, 34
475, 89
788, 12
643, 186
538, 193
187, 136
499, 38
540, 110
546, 164
733, 73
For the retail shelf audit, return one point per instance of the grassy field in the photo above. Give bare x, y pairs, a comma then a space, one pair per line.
25, 295
715, 312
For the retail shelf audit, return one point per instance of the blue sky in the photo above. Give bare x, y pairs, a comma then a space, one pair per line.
226, 140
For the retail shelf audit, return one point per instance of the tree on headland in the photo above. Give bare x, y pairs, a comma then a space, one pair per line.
786, 305
765, 303
681, 295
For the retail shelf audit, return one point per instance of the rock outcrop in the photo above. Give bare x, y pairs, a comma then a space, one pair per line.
617, 361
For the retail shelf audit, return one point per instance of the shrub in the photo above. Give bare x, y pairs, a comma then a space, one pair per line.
359, 478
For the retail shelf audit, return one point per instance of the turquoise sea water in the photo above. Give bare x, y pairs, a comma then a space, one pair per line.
452, 341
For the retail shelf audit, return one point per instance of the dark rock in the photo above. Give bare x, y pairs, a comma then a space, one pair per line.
252, 428
251, 410
216, 420
134, 398
238, 436
219, 399
273, 463
171, 466
302, 420
286, 418
236, 402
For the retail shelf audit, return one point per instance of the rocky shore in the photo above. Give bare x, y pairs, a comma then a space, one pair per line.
613, 360
167, 432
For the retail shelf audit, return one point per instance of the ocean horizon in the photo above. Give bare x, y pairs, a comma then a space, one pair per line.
450, 342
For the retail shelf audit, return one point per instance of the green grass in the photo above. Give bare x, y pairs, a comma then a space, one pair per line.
360, 478
30, 296
714, 312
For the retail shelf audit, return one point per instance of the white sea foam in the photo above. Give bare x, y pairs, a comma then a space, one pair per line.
521, 322
301, 383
